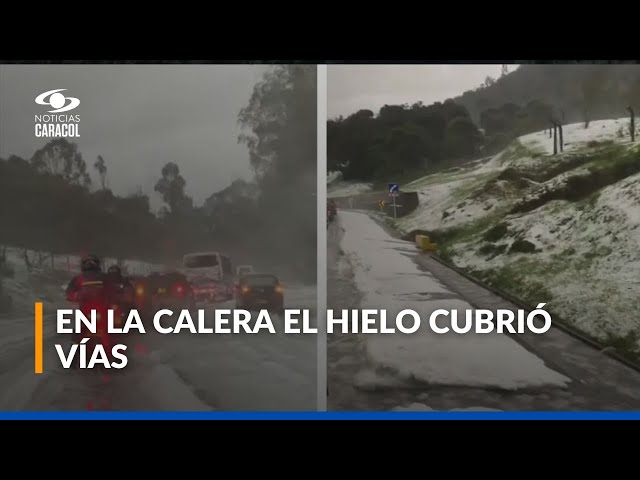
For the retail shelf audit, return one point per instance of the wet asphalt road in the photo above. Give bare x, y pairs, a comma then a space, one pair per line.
598, 382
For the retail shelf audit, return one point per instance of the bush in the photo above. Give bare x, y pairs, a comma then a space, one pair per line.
510, 174
599, 143
522, 246
496, 233
579, 187
497, 142
491, 250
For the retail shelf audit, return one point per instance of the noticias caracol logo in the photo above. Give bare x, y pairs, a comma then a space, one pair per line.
57, 101
55, 124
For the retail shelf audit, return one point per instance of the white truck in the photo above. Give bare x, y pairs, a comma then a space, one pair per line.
212, 265
244, 270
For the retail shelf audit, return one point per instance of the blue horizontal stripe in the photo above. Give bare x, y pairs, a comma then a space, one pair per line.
217, 415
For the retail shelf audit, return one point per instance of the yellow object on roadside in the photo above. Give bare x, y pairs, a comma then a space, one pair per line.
424, 243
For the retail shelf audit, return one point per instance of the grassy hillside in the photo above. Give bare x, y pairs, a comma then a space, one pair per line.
561, 229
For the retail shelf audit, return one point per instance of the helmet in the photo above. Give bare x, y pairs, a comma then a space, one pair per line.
90, 262
114, 270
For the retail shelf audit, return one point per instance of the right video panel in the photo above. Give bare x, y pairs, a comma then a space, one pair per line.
495, 187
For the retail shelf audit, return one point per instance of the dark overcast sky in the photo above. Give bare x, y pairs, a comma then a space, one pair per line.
354, 87
139, 117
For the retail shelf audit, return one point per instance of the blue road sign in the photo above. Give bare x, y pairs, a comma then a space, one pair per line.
394, 188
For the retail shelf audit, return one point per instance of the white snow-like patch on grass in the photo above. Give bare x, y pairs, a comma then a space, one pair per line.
390, 280
586, 259
575, 136
444, 191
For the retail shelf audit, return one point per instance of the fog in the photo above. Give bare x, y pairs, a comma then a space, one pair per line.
354, 87
139, 117
226, 155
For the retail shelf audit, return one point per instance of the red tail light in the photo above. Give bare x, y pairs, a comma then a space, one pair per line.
180, 289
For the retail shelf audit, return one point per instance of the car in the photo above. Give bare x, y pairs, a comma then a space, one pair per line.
209, 290
244, 270
260, 291
171, 290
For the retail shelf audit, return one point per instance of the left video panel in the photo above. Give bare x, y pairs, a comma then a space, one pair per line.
188, 188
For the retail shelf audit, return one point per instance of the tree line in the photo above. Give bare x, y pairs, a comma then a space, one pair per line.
50, 202
401, 140
584, 92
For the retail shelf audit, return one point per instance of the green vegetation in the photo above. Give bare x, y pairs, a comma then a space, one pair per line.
491, 251
496, 233
516, 151
626, 345
522, 246
584, 92
517, 280
603, 170
401, 141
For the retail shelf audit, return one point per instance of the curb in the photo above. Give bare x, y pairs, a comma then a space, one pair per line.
558, 322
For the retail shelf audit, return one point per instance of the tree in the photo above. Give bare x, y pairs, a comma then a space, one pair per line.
488, 81
280, 131
61, 158
101, 167
171, 186
590, 87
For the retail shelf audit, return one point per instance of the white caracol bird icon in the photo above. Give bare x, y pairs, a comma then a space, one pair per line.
56, 100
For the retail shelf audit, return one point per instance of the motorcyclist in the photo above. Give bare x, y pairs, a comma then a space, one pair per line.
89, 291
89, 284
121, 291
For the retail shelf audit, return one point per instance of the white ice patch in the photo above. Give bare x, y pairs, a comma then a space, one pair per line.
390, 280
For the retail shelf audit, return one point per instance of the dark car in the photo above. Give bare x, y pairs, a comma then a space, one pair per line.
171, 290
209, 290
260, 291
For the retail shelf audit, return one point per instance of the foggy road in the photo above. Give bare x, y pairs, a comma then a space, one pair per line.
370, 268
168, 372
